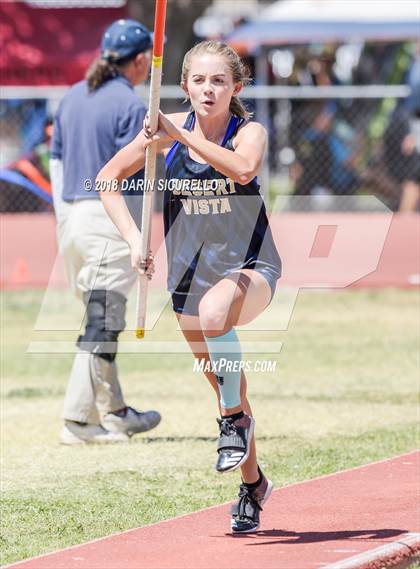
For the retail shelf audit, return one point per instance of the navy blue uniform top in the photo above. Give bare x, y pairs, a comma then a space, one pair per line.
213, 225
90, 128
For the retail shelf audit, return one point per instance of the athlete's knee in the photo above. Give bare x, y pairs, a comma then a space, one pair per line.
213, 315
105, 319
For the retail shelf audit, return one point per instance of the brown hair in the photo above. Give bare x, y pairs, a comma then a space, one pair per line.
100, 71
240, 72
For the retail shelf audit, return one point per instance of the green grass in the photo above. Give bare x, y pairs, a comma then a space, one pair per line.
345, 393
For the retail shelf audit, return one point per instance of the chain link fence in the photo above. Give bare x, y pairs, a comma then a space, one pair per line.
323, 142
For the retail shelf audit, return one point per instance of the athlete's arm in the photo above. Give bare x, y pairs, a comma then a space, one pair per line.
240, 165
132, 157
125, 163
163, 139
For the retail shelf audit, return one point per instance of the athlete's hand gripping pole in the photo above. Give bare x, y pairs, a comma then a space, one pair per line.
150, 164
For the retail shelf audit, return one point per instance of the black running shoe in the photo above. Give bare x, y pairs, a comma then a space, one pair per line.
246, 512
234, 442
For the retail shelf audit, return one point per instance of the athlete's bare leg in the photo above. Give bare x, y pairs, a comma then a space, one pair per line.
227, 304
234, 301
197, 344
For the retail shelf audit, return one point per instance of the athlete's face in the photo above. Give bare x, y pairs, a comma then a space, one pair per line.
210, 85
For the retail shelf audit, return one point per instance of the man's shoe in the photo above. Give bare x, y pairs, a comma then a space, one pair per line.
234, 442
246, 512
74, 433
131, 422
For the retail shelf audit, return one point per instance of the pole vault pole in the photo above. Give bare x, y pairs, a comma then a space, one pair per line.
150, 165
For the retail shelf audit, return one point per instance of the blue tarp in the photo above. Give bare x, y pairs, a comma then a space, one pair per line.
16, 178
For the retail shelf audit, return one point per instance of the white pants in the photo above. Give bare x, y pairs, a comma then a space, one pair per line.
95, 254
96, 257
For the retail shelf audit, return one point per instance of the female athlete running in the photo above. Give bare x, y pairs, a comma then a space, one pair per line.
222, 262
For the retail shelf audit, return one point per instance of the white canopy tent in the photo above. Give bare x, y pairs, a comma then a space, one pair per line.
293, 22
320, 21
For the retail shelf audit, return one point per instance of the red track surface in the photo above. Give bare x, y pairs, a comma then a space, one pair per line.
317, 249
307, 525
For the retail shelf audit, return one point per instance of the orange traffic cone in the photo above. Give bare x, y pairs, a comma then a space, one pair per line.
20, 273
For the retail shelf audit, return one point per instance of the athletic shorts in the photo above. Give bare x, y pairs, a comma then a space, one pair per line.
187, 303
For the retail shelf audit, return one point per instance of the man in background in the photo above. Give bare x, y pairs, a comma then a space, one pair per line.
96, 118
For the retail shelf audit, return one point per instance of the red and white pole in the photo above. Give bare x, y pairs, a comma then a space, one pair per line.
150, 165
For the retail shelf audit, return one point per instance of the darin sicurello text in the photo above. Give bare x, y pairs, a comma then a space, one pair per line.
183, 186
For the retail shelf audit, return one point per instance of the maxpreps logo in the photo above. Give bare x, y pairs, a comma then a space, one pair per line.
224, 365
214, 192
